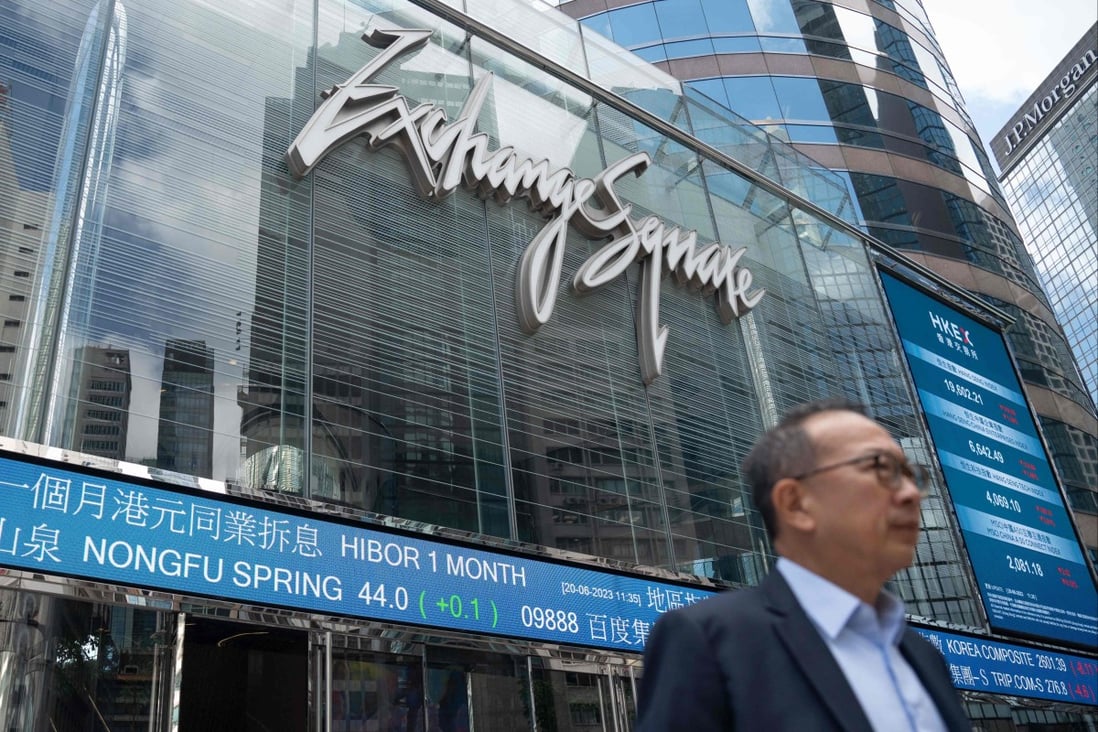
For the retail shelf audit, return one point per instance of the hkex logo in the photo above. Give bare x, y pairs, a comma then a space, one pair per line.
953, 335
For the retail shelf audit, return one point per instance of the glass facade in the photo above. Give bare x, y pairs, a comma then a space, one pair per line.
345, 339
1053, 190
177, 299
864, 88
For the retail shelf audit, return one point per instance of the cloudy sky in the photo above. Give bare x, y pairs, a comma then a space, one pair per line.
1000, 50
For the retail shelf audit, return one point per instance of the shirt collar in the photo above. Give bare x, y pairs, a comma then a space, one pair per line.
832, 609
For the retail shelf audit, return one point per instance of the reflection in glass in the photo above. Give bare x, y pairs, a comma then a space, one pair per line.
101, 411
753, 97
185, 433
70, 665
374, 692
774, 16
634, 25
476, 692
681, 19
71, 255
571, 698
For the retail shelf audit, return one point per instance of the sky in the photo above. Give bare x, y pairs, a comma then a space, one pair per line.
1001, 50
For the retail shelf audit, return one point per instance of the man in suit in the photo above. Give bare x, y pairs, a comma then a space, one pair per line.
819, 645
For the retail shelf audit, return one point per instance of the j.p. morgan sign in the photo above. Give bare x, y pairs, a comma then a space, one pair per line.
442, 154
1065, 88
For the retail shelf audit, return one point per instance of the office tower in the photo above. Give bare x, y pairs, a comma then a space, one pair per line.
21, 210
865, 90
102, 406
185, 437
1046, 153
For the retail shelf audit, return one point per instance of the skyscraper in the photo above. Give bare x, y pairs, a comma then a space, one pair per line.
104, 388
21, 209
865, 90
184, 440
1048, 153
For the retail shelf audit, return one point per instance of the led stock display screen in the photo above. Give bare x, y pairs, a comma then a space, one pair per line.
57, 520
1027, 559
979, 664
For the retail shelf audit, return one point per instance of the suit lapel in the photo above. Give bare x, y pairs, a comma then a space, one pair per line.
810, 654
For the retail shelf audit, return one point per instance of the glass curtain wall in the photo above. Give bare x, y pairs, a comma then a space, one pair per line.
74, 665
865, 89
344, 339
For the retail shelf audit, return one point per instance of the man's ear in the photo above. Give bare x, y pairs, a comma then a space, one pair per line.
792, 505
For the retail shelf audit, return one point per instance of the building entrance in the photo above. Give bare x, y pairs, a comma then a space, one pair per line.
242, 677
76, 666
389, 685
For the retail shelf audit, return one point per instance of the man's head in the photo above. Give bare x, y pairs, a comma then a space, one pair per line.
837, 495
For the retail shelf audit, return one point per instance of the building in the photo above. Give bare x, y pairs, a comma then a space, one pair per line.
185, 432
864, 89
19, 208
1046, 153
418, 436
100, 417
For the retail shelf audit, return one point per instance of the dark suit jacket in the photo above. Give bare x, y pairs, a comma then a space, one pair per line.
752, 661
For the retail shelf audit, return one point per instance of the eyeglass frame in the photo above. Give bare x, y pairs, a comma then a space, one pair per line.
917, 473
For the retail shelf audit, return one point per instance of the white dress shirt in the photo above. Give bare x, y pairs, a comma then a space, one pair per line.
865, 642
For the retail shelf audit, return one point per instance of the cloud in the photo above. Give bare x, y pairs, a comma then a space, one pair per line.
1001, 50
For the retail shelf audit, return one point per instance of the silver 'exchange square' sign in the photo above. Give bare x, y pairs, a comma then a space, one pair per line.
442, 154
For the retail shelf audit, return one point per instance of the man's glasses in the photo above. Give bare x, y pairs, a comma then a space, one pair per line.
890, 470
